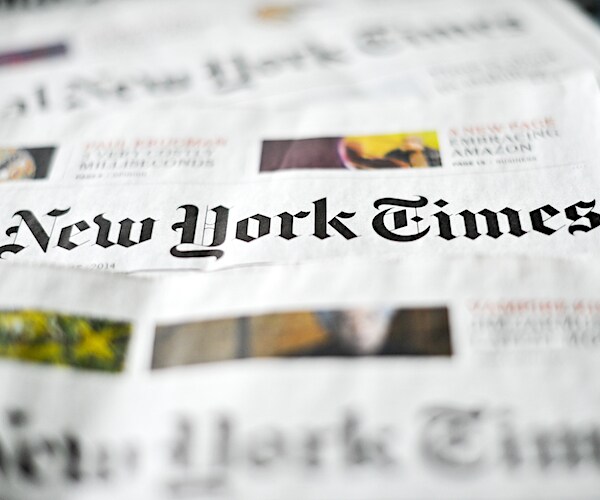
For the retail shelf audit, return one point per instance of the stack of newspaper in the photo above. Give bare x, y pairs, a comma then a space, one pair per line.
306, 249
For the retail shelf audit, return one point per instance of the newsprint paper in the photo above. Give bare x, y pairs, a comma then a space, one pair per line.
515, 174
463, 388
116, 55
198, 227
516, 127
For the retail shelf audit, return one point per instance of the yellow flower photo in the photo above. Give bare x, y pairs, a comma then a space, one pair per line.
60, 339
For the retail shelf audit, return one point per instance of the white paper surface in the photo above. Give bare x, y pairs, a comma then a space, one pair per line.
326, 51
170, 227
398, 427
372, 231
522, 127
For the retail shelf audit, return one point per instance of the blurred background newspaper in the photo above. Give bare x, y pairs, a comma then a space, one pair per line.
308, 249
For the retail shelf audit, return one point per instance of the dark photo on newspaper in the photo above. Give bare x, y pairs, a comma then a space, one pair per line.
25, 163
336, 333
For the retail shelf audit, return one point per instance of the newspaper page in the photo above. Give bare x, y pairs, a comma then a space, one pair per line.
421, 370
393, 48
414, 416
520, 127
221, 224
469, 311
68, 317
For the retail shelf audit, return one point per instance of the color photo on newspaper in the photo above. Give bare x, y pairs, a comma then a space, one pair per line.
367, 152
25, 163
335, 333
63, 339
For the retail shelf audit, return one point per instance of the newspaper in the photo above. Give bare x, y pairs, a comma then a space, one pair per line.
522, 126
208, 190
362, 326
331, 50
199, 227
410, 419
474, 311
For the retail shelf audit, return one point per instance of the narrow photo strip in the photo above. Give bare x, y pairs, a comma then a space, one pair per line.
368, 152
332, 333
